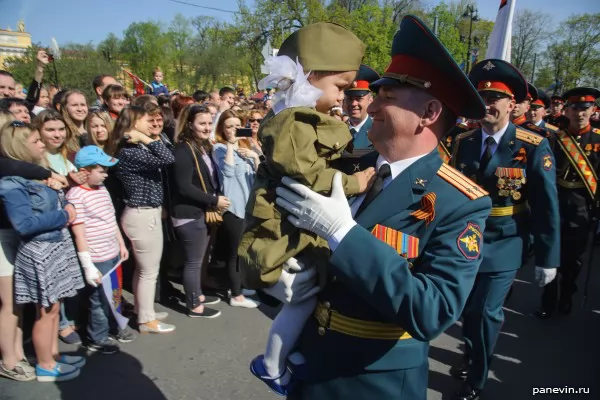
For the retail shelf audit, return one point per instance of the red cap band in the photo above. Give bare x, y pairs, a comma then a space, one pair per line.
440, 86
582, 99
538, 102
360, 85
495, 87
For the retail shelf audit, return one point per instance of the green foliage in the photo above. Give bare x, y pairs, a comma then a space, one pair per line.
76, 68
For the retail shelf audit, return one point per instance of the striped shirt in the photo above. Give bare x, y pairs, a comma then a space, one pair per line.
95, 209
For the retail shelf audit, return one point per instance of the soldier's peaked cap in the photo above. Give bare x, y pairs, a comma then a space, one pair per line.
494, 75
421, 60
365, 76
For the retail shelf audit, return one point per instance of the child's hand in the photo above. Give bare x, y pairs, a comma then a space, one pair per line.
365, 179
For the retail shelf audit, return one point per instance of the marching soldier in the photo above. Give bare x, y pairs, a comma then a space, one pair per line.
405, 255
556, 116
537, 112
519, 114
577, 153
516, 167
356, 100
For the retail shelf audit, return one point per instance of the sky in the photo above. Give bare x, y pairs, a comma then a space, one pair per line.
83, 21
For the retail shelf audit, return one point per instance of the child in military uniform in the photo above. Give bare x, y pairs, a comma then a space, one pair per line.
299, 138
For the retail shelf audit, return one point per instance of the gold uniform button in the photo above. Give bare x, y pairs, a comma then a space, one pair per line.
327, 305
321, 331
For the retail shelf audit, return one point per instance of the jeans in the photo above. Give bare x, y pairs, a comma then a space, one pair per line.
64, 321
194, 240
101, 318
232, 229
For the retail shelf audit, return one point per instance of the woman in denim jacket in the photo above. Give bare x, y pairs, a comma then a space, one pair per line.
46, 266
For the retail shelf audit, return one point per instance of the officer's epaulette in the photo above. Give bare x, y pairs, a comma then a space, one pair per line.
596, 131
536, 129
552, 127
529, 137
464, 135
461, 182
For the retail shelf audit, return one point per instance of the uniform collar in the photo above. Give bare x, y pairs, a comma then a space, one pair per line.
582, 131
397, 167
497, 136
539, 123
358, 127
520, 120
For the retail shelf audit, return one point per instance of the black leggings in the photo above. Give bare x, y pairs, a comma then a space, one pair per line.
231, 233
194, 240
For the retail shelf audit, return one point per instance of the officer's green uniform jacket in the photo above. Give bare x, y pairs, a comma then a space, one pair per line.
373, 282
298, 142
361, 140
521, 172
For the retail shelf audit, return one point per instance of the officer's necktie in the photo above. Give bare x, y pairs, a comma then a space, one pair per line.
487, 154
383, 172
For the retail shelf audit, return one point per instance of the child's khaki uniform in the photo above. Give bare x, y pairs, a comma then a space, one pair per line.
298, 142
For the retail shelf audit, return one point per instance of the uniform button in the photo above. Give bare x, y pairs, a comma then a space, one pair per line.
327, 305
321, 331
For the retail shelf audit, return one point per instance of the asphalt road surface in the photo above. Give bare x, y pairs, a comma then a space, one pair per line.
208, 359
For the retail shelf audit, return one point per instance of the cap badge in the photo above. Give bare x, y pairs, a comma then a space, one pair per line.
427, 85
487, 84
582, 98
488, 66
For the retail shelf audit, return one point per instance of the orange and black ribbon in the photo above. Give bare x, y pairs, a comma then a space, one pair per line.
427, 210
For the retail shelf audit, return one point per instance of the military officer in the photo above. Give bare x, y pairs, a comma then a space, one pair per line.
405, 254
445, 145
537, 112
577, 153
556, 116
356, 100
516, 167
519, 114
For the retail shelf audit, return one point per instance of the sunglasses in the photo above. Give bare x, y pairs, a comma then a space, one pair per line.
259, 120
17, 124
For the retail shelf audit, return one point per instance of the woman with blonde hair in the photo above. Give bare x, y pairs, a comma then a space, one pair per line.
100, 127
46, 269
141, 158
75, 111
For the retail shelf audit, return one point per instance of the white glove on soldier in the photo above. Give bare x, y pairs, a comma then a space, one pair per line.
92, 275
313, 212
544, 276
295, 284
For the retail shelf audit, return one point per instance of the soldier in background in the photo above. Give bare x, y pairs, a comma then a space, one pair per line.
556, 116
357, 99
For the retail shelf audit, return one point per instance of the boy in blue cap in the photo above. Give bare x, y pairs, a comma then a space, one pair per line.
98, 240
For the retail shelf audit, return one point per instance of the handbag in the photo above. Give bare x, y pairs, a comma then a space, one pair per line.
212, 215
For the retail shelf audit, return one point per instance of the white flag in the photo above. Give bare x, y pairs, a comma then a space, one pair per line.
499, 44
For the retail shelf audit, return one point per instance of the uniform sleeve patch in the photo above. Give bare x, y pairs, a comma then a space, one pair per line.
470, 241
547, 162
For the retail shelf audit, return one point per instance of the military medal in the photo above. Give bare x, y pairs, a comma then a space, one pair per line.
516, 195
510, 181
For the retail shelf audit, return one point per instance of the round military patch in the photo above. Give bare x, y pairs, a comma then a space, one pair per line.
470, 241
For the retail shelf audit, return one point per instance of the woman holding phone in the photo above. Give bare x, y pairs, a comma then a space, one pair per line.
237, 169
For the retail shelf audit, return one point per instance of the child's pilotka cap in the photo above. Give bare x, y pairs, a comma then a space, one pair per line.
324, 46
93, 155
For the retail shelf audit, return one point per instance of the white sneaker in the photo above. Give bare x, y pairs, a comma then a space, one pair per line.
246, 303
161, 315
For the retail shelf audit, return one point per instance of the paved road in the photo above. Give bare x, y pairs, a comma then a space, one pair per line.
208, 359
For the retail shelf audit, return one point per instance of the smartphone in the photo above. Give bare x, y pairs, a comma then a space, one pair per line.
243, 132
50, 56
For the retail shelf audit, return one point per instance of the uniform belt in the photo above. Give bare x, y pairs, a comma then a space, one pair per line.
509, 210
329, 319
570, 185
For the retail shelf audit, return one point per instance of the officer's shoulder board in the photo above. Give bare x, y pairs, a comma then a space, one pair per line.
536, 129
529, 137
464, 135
596, 131
553, 127
461, 182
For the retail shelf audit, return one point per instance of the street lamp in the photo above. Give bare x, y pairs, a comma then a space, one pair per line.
471, 13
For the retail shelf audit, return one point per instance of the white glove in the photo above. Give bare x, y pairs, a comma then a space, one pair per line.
313, 212
544, 276
295, 284
92, 275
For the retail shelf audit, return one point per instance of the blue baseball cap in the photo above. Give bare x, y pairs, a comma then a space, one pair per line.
93, 155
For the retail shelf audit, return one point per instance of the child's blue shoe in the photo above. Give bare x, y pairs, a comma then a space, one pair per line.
60, 372
257, 367
76, 361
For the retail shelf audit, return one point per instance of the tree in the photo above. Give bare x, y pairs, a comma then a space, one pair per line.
145, 47
110, 47
179, 39
529, 34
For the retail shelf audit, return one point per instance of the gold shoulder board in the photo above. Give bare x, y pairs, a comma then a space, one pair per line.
596, 131
553, 127
529, 137
464, 134
461, 182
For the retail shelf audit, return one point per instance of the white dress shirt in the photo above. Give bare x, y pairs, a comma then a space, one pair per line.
359, 126
497, 137
538, 123
396, 169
